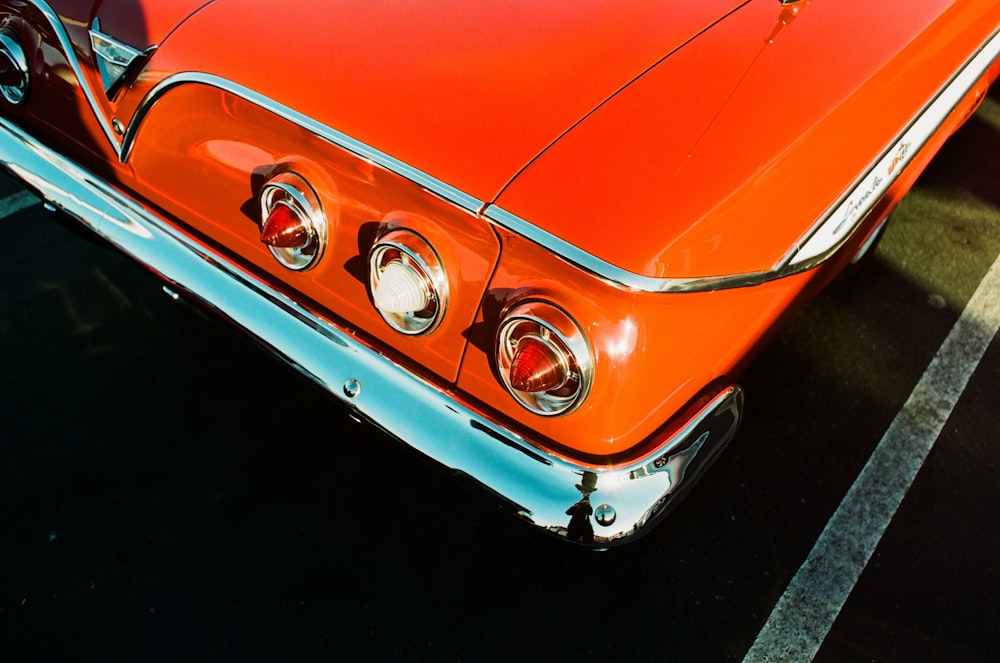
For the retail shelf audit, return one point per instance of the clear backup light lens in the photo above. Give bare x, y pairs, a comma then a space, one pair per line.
407, 282
293, 225
544, 359
401, 288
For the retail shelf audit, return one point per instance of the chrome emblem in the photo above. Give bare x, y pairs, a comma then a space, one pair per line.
113, 58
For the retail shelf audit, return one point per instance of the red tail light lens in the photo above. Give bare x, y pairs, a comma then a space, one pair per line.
544, 359
284, 228
293, 225
537, 366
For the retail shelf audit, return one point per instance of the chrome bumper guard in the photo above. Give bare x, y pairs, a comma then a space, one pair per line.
597, 506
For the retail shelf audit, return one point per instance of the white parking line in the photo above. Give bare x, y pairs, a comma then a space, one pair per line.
804, 614
17, 202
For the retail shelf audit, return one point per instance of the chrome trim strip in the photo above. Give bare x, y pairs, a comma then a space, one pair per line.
490, 213
536, 485
70, 54
449, 193
828, 235
811, 245
825, 238
612, 273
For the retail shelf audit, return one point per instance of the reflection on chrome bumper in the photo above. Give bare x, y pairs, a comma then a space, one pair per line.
598, 506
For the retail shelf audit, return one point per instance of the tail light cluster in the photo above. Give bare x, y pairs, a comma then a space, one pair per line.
543, 357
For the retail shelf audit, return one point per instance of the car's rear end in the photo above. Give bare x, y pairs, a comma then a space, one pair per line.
536, 245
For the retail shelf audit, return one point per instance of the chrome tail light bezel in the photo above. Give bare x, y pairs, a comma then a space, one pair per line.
540, 320
425, 265
294, 192
14, 61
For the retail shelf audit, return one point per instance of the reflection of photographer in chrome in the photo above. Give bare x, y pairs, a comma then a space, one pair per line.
580, 529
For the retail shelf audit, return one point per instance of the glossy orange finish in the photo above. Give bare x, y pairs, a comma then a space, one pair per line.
724, 155
688, 138
143, 23
203, 156
57, 111
468, 93
655, 353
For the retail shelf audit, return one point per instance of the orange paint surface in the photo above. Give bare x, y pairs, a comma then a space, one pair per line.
203, 156
713, 161
723, 156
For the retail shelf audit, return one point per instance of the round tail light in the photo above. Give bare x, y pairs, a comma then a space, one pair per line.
544, 359
293, 225
14, 72
407, 282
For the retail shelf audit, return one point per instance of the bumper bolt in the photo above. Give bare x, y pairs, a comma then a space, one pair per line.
352, 388
605, 515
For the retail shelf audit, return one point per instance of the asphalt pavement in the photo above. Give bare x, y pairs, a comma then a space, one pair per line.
170, 492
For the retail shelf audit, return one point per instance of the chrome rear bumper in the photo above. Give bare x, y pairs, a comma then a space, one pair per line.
612, 503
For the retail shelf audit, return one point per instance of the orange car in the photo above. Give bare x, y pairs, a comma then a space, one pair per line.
535, 242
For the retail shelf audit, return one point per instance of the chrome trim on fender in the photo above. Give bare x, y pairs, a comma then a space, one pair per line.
449, 193
825, 238
612, 273
491, 213
70, 54
538, 486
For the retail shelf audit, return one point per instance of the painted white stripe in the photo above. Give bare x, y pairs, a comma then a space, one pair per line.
17, 202
806, 611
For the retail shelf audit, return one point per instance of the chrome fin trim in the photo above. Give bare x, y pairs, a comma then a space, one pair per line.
69, 53
538, 486
113, 57
837, 225
436, 186
825, 238
612, 273
808, 252
491, 213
